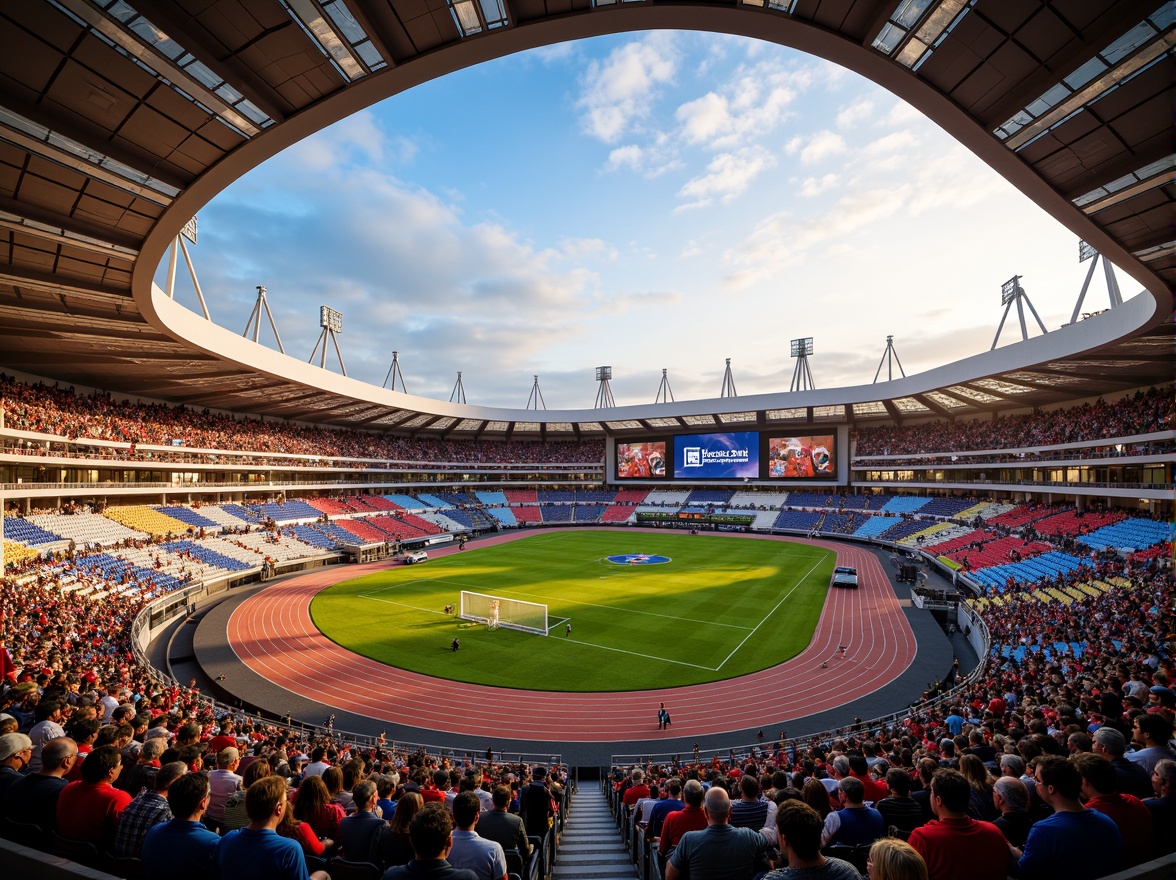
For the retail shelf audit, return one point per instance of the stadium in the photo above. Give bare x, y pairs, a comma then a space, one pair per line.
182, 505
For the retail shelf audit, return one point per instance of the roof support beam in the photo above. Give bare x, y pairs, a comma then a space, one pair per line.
197, 41
1123, 15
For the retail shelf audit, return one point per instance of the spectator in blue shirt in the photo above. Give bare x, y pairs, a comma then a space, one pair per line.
183, 848
257, 850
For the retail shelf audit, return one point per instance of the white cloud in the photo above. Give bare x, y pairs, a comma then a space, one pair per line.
902, 114
814, 186
728, 174
618, 92
582, 249
629, 156
751, 104
859, 110
821, 146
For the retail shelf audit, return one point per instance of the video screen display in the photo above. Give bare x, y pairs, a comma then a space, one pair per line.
642, 461
717, 456
801, 458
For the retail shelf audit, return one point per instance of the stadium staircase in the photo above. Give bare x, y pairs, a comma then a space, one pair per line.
590, 847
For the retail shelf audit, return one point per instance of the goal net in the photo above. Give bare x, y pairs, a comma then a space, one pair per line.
497, 611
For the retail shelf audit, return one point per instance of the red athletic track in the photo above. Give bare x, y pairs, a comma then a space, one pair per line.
273, 634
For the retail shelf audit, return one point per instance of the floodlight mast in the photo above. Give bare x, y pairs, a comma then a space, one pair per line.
457, 395
664, 394
889, 358
332, 323
394, 374
728, 389
802, 376
1012, 292
535, 400
1087, 252
177, 247
604, 395
254, 322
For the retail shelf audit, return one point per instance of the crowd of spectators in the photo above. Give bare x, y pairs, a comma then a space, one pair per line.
52, 409
999, 778
1142, 413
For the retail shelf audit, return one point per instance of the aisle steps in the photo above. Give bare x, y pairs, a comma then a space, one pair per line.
591, 847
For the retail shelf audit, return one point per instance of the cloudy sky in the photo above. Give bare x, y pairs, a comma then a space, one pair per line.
660, 200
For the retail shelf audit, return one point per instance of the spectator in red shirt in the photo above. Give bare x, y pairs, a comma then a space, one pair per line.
956, 845
89, 809
1128, 811
689, 818
637, 790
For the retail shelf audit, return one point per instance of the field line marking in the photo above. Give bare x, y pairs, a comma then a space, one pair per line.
764, 620
646, 656
401, 604
629, 611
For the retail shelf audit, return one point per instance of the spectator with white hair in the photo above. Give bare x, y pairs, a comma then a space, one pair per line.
223, 781
1162, 808
1130, 777
1011, 798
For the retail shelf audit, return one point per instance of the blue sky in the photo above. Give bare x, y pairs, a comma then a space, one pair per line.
648, 201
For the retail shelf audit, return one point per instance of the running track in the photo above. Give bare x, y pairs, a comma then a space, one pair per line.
272, 633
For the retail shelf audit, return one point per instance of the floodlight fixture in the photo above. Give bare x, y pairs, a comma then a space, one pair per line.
802, 347
1010, 290
189, 230
1086, 251
332, 323
604, 395
329, 319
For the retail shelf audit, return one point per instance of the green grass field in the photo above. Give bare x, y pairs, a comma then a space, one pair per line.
721, 607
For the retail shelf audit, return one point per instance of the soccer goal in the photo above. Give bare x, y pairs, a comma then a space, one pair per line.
496, 611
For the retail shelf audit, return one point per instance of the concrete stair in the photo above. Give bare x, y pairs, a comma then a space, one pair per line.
591, 846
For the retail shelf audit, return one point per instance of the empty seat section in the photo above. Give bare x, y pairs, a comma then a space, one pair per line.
146, 519
491, 498
86, 528
588, 513
797, 520
331, 506
759, 499
528, 513
504, 515
710, 496
556, 496
522, 496
595, 496
556, 513
314, 537
205, 554
945, 507
903, 504
631, 496
17, 529
188, 516
405, 502
618, 513
220, 516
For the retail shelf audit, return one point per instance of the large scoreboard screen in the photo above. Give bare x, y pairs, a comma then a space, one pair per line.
770, 456
732, 455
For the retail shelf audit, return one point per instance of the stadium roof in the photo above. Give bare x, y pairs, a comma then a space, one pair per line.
119, 121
